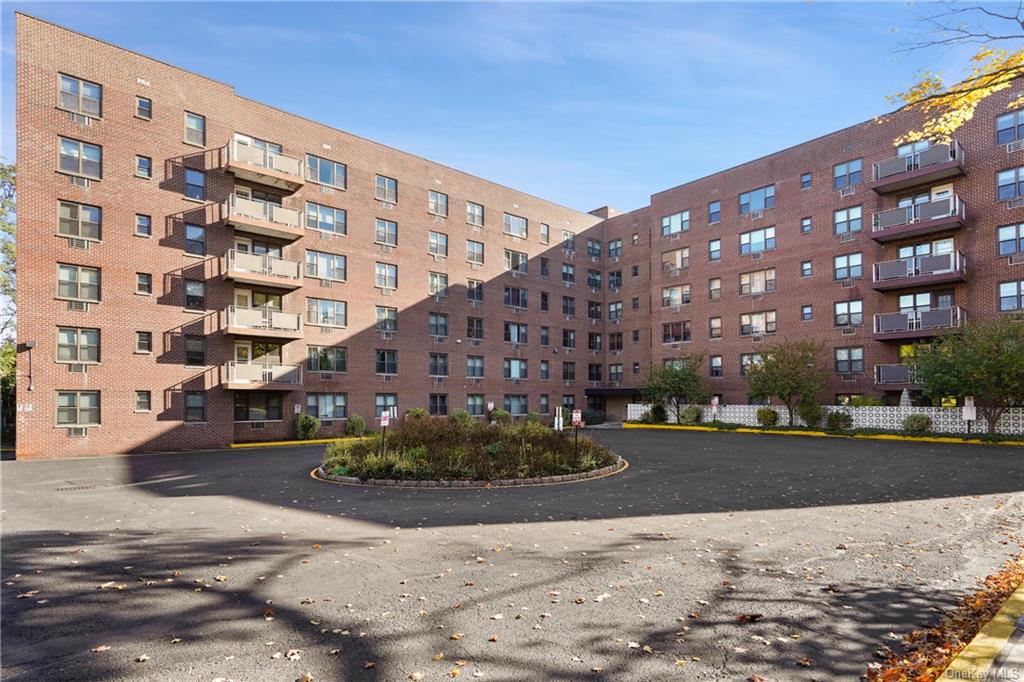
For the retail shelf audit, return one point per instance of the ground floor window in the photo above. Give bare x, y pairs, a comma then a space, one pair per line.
78, 408
386, 402
438, 404
327, 406
475, 405
516, 404
195, 406
257, 406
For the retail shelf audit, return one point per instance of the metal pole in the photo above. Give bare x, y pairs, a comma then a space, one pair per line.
576, 439
383, 438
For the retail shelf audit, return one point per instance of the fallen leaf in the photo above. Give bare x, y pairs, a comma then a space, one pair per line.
368, 664
456, 636
805, 661
749, 617
142, 659
100, 649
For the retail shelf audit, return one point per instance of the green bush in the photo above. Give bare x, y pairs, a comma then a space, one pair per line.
356, 426
501, 417
460, 417
810, 413
766, 416
917, 423
593, 417
839, 421
865, 401
306, 426
417, 413
441, 449
690, 414
533, 418
658, 414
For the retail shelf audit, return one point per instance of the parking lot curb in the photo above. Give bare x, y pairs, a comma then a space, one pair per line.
976, 659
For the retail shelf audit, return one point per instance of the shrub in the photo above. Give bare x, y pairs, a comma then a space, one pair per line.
839, 421
658, 414
690, 414
306, 426
810, 413
460, 417
533, 418
917, 423
501, 417
417, 413
356, 426
766, 416
865, 401
593, 417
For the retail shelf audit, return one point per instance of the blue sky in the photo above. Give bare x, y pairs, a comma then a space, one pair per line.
582, 104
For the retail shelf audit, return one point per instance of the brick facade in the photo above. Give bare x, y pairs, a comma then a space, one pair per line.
44, 51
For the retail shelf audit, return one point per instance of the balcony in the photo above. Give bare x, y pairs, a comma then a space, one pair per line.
240, 376
939, 215
263, 218
895, 377
262, 270
264, 166
920, 271
917, 324
262, 322
926, 167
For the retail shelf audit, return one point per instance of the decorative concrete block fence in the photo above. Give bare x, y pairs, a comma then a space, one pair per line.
944, 419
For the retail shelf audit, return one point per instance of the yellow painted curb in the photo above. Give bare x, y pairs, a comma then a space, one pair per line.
822, 434
977, 657
278, 443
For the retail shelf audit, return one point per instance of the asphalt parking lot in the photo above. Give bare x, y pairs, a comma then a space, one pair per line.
237, 565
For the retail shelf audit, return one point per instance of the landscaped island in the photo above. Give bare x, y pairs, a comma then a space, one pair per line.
459, 448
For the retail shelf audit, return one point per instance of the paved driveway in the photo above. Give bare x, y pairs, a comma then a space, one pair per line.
218, 564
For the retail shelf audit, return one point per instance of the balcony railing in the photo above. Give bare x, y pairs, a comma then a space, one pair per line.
260, 373
258, 159
932, 156
264, 319
264, 265
919, 322
894, 374
920, 266
908, 215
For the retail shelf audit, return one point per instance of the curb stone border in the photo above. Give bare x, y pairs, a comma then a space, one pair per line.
619, 466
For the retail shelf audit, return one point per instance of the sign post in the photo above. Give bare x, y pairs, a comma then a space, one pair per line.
970, 412
577, 422
385, 419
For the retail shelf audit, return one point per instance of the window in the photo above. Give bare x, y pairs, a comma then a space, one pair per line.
385, 402
438, 284
195, 129
475, 327
806, 268
594, 279
805, 226
676, 259
615, 310
81, 158
517, 226
756, 241
806, 313
195, 295
846, 174
757, 200
715, 328
326, 265
195, 184
568, 402
593, 341
593, 310
754, 324
1011, 239
545, 407
748, 359
438, 404
615, 339
516, 404
568, 338
848, 266
387, 362
545, 304
715, 365
195, 239
1010, 127
805, 181
516, 297
636, 303
545, 233
326, 313
849, 360
195, 406
143, 167
714, 212
326, 406
568, 272
475, 405
326, 218
545, 336
437, 203
714, 289
568, 371
437, 324
195, 350
78, 345
437, 244
474, 252
615, 278
615, 372
545, 267
475, 366
79, 220
675, 223
757, 282
386, 232
144, 107
677, 295
594, 248
849, 313
516, 332
1010, 184
568, 240
515, 368
386, 189
143, 401
143, 225
260, 406
475, 290
386, 276
676, 332
615, 248
386, 318
634, 238
78, 283
144, 283
474, 214
143, 342
437, 364
515, 261
715, 250
847, 220
326, 172
545, 370
327, 359
78, 408
80, 96
1011, 296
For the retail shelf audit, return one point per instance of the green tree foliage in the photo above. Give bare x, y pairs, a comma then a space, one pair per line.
7, 250
788, 372
984, 360
677, 384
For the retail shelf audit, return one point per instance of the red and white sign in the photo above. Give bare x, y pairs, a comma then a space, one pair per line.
385, 418
577, 417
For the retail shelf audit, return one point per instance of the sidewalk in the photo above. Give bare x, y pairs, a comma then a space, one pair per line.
996, 654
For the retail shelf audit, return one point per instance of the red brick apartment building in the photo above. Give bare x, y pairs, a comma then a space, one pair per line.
197, 268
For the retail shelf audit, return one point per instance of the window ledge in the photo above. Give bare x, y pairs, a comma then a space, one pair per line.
91, 240
143, 118
194, 144
143, 411
92, 178
194, 201
78, 113
142, 177
143, 235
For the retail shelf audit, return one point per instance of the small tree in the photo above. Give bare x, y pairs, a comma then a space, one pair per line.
789, 372
677, 384
984, 360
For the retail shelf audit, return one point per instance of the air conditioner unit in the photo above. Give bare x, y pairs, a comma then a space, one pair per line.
438, 380
1016, 259
593, 259
257, 425
849, 377
324, 189
386, 377
474, 342
475, 266
849, 331
80, 182
1016, 203
569, 382
80, 119
78, 432
78, 306
615, 321
613, 290
325, 283
385, 248
614, 259
387, 336
440, 298
384, 291
846, 237
757, 255
757, 338
848, 283
568, 284
1015, 146
326, 330
517, 381
756, 297
324, 236
676, 308
475, 381
474, 304
78, 368
439, 219
756, 214
326, 376
79, 243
